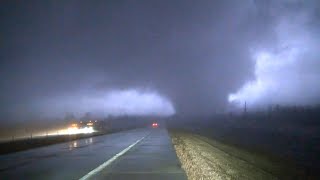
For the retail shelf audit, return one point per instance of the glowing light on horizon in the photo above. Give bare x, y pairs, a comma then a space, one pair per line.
72, 131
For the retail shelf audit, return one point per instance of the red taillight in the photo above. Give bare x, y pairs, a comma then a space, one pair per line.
154, 124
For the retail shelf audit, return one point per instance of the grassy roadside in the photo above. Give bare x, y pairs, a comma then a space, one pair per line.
204, 158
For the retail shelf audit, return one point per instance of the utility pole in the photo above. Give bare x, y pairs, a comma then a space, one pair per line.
245, 107
245, 110
270, 109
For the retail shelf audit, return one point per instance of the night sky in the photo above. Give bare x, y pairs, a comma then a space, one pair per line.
156, 57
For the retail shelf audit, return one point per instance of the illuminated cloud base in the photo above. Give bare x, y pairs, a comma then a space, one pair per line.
114, 102
287, 74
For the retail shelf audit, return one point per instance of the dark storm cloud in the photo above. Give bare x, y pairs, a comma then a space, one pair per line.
191, 53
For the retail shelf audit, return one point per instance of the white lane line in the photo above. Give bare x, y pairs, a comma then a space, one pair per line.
105, 164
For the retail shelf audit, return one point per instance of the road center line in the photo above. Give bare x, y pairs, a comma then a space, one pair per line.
105, 164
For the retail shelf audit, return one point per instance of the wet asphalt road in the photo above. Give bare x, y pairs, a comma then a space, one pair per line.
153, 157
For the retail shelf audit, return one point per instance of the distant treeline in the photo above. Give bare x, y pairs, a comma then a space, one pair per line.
297, 115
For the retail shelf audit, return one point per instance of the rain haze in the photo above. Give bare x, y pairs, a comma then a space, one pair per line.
244, 73
181, 57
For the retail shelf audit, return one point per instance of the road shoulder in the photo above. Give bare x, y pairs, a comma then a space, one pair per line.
204, 158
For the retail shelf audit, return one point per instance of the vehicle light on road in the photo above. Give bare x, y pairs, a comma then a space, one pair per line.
74, 130
154, 125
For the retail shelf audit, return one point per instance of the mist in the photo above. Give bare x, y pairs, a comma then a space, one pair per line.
129, 102
287, 73
156, 57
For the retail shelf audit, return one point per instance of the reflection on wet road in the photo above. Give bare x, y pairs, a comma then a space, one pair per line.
80, 143
75, 159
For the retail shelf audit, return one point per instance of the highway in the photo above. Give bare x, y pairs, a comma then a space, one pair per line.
136, 154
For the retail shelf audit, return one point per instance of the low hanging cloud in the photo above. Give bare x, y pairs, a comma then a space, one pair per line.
288, 73
134, 102
114, 102
96, 55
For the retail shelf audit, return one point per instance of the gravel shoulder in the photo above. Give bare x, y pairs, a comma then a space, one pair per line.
204, 158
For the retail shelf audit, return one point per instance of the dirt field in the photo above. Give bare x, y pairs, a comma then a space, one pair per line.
204, 158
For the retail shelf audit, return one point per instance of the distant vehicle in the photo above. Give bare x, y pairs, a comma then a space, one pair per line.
154, 125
